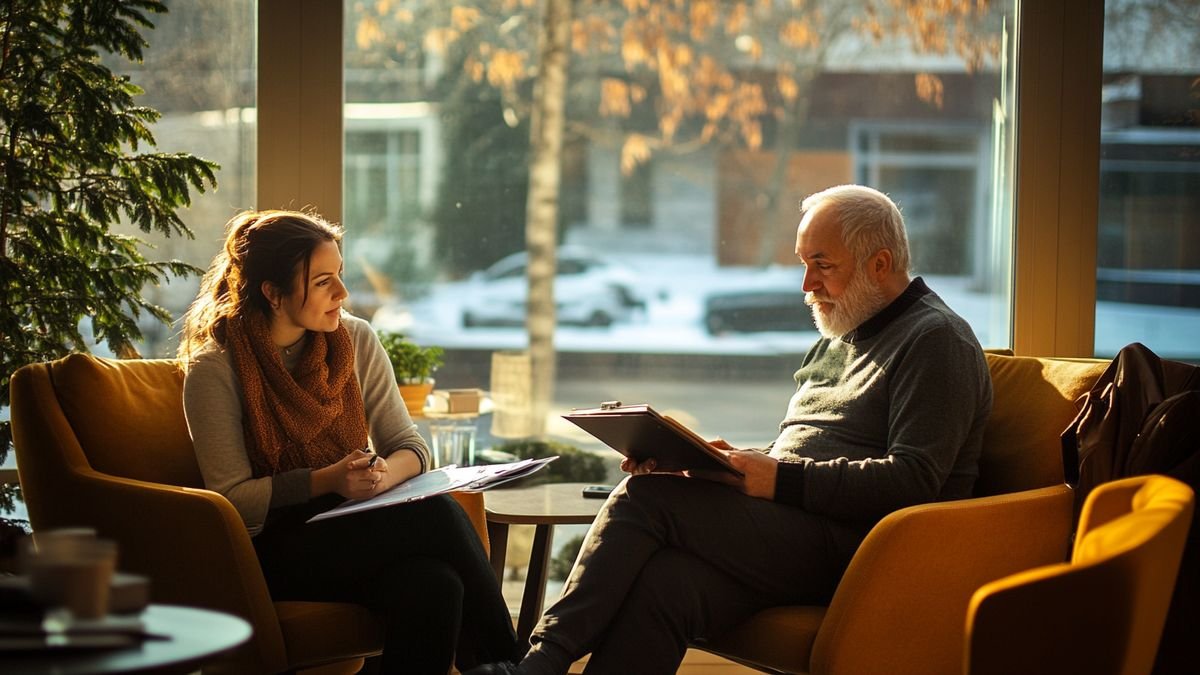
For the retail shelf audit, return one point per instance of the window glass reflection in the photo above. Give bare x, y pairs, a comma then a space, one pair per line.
1148, 257
199, 72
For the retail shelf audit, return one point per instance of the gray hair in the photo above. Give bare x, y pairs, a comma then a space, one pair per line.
870, 221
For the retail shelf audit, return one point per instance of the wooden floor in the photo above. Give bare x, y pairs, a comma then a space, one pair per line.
695, 663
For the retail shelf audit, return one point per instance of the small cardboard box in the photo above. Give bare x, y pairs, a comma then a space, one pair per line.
464, 400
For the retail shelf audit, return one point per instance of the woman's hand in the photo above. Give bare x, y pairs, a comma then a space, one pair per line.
353, 476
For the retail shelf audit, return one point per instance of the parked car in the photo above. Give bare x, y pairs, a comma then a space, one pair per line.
774, 302
589, 290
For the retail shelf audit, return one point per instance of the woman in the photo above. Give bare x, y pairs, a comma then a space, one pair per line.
293, 408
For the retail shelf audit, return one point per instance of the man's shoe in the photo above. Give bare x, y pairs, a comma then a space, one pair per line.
498, 668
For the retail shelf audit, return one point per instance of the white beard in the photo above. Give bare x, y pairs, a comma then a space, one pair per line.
860, 301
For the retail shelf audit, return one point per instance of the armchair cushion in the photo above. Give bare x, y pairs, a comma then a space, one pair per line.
314, 630
121, 409
760, 637
1033, 401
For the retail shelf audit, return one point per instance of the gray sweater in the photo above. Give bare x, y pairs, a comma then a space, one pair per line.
212, 403
888, 416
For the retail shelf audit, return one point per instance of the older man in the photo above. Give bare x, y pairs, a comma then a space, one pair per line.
888, 411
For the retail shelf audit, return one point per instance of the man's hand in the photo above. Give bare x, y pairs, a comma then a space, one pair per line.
759, 469
635, 468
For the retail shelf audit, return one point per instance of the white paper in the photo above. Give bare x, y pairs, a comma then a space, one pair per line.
440, 481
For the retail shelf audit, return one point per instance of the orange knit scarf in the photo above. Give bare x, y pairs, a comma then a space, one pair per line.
307, 419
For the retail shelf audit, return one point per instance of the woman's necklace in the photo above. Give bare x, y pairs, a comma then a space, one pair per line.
291, 349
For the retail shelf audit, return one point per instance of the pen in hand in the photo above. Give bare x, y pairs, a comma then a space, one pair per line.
371, 463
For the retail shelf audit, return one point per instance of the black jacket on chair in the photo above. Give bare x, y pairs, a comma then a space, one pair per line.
1143, 416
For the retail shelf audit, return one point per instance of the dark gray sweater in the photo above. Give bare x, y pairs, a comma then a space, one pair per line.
887, 416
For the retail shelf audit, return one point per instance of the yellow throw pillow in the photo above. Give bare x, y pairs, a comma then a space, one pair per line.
1034, 399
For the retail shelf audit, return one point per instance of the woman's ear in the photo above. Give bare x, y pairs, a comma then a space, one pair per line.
271, 292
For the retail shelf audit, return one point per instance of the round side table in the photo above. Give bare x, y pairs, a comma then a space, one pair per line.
187, 638
543, 506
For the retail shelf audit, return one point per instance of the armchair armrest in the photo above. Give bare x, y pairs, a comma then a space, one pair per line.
901, 606
1106, 506
191, 543
472, 503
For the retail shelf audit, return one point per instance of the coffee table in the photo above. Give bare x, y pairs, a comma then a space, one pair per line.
542, 506
189, 638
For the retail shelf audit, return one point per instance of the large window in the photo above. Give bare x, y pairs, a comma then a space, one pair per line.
391, 165
686, 153
1148, 259
942, 176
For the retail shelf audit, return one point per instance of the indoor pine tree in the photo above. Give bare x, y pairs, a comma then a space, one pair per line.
73, 169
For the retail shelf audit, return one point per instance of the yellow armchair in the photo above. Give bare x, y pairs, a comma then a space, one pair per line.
899, 608
1103, 612
103, 443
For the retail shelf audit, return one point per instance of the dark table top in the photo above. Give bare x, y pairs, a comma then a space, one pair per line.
189, 638
546, 504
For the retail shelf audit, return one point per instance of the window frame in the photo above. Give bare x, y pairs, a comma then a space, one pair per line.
1059, 71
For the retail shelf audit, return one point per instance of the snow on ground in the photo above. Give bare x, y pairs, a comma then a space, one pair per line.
674, 320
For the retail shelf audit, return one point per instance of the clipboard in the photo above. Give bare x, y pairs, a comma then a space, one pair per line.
640, 432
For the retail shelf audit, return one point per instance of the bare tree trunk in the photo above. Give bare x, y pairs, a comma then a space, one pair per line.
777, 234
780, 234
541, 221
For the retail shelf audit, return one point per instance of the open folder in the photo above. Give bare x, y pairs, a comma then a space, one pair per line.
440, 481
640, 432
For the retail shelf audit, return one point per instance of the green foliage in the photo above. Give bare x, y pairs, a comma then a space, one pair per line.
70, 170
564, 560
10, 528
412, 363
572, 466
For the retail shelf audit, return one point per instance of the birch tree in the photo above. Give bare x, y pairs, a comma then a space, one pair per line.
541, 231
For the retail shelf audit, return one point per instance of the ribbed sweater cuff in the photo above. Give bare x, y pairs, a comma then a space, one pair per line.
789, 483
291, 487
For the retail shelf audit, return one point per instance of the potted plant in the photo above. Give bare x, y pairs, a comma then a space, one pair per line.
414, 366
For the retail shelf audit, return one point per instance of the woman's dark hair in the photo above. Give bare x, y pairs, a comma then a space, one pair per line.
260, 246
